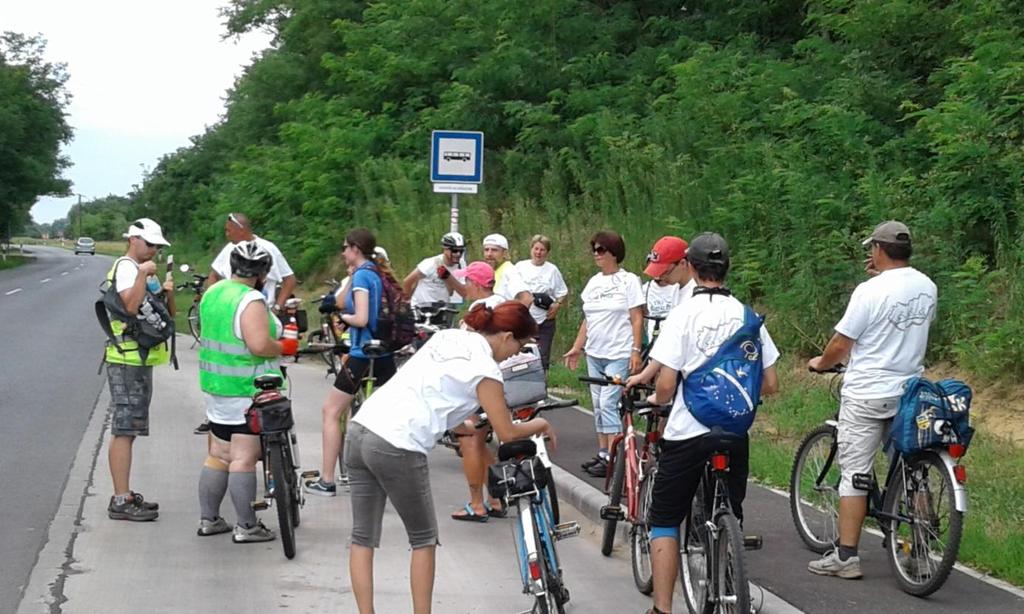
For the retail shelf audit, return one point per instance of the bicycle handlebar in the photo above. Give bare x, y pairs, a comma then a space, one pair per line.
484, 422
608, 381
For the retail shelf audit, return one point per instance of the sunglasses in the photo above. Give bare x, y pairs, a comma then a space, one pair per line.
600, 250
456, 250
234, 220
150, 245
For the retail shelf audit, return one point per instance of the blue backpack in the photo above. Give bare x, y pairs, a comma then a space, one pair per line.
926, 408
726, 390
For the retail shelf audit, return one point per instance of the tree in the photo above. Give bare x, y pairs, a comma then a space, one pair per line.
32, 128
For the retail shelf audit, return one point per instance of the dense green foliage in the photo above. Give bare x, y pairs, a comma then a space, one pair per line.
103, 219
32, 128
790, 127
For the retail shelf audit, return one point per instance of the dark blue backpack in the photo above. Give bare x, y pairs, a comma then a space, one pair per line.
932, 414
726, 390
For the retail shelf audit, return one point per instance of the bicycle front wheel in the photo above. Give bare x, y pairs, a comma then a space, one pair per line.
814, 490
614, 498
640, 539
283, 496
693, 557
193, 320
732, 593
924, 539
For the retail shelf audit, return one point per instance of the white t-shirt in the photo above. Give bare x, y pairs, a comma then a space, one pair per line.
431, 288
279, 268
662, 299
545, 278
126, 273
231, 410
511, 282
888, 318
433, 392
491, 301
690, 336
607, 300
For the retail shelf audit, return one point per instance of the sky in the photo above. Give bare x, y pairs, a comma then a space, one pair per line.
144, 77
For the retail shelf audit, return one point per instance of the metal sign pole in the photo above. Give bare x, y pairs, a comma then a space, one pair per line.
455, 213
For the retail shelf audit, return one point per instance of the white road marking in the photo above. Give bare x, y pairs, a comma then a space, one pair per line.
14, 291
43, 281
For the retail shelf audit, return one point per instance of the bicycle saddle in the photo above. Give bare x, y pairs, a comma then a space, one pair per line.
373, 349
268, 382
512, 449
723, 440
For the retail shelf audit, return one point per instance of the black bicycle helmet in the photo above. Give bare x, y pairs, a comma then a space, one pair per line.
249, 259
453, 240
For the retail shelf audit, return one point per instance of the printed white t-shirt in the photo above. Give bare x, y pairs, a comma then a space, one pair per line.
279, 268
432, 393
510, 282
431, 288
888, 318
545, 278
491, 301
662, 299
607, 300
693, 333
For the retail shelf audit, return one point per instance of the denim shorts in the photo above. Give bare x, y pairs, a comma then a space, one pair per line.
131, 390
378, 471
606, 398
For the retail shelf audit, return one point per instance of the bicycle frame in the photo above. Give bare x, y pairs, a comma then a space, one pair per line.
637, 463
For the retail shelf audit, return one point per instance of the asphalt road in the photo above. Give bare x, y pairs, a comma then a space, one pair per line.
51, 348
781, 566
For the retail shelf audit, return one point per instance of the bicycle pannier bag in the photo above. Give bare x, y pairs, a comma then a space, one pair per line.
513, 478
932, 414
525, 381
726, 390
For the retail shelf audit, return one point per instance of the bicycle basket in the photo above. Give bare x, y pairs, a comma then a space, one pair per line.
516, 478
525, 381
271, 412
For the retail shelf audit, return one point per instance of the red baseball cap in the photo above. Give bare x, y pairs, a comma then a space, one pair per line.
666, 252
478, 271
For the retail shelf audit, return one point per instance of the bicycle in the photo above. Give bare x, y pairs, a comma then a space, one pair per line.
634, 457
197, 285
430, 318
711, 568
523, 477
270, 417
919, 508
330, 332
645, 350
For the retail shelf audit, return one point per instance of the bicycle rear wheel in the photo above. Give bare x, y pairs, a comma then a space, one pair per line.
284, 496
555, 595
552, 498
732, 595
694, 547
924, 542
193, 320
329, 357
640, 539
814, 490
614, 498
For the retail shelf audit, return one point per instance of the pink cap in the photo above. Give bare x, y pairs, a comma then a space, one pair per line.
478, 271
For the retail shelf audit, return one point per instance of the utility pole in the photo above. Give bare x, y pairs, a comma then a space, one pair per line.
79, 216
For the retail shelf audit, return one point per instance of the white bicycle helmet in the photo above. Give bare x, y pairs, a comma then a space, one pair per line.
453, 240
249, 259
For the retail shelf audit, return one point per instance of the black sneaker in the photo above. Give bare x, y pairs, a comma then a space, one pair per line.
598, 469
202, 429
141, 502
130, 510
590, 463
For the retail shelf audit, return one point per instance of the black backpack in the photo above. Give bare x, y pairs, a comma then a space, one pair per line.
396, 323
149, 328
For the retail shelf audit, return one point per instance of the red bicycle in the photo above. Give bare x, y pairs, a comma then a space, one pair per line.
634, 456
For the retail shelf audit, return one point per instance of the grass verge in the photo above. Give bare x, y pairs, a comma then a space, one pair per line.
12, 261
993, 539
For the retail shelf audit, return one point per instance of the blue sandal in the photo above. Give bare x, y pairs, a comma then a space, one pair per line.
470, 515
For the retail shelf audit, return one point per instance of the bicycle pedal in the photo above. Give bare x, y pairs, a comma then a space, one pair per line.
612, 512
566, 530
753, 542
259, 506
309, 475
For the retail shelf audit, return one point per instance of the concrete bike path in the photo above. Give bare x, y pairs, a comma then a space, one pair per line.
93, 564
781, 566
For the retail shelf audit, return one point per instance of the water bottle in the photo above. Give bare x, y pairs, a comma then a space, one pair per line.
290, 340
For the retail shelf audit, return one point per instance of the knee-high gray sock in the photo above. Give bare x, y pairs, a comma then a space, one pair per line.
242, 487
213, 483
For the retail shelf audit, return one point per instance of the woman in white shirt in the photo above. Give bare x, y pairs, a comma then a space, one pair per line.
386, 448
549, 290
611, 336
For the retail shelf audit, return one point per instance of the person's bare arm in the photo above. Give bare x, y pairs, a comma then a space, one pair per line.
411, 281
770, 382
132, 297
287, 288
256, 331
359, 319
665, 387
636, 320
837, 350
572, 357
526, 298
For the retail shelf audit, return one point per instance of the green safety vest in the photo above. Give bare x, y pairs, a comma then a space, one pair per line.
159, 355
226, 367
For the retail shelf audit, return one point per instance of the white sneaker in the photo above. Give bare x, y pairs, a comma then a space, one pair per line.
255, 533
212, 527
831, 565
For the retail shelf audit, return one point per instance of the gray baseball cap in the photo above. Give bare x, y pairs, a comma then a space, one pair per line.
708, 248
892, 232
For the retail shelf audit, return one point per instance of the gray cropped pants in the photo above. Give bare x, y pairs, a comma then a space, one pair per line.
378, 471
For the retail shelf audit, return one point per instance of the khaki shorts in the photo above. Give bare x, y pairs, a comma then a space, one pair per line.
863, 426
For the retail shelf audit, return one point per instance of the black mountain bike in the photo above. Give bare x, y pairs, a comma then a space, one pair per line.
197, 286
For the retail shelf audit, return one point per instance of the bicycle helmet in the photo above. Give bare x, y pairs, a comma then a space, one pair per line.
453, 240
249, 259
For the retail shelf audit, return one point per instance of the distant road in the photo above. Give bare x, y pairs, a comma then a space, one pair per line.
51, 348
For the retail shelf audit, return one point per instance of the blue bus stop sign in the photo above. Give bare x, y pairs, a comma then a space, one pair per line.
456, 156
